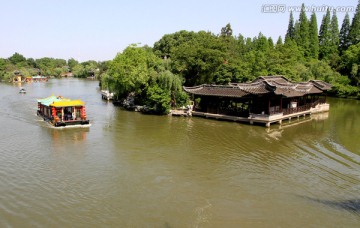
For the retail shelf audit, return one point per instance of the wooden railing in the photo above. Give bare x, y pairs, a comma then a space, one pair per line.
318, 101
297, 109
242, 112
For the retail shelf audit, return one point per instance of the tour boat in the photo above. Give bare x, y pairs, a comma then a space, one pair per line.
62, 112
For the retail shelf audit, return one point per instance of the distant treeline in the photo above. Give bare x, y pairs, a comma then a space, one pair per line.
48, 67
154, 76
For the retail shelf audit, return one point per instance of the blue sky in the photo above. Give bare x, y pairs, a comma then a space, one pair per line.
99, 29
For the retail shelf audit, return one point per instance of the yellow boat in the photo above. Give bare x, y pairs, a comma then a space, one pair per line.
62, 112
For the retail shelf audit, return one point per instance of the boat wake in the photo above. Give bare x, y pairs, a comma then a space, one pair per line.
352, 205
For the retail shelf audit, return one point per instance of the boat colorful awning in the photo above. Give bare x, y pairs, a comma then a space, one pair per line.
49, 100
67, 103
58, 101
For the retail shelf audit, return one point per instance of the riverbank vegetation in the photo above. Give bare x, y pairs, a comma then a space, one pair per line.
154, 76
48, 67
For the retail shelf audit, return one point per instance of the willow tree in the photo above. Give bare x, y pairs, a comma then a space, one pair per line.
164, 92
131, 69
137, 71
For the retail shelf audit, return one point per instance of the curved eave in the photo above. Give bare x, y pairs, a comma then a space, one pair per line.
216, 91
277, 85
324, 86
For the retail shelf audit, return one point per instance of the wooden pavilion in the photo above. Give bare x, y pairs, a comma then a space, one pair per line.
267, 99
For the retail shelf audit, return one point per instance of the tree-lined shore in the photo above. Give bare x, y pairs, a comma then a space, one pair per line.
154, 76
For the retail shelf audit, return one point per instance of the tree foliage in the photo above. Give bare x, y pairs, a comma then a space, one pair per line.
303, 43
344, 40
325, 43
290, 34
354, 33
313, 37
48, 66
138, 71
155, 76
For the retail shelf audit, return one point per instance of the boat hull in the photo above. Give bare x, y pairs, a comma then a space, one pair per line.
72, 123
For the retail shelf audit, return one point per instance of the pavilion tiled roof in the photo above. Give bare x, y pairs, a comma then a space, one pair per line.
278, 85
216, 90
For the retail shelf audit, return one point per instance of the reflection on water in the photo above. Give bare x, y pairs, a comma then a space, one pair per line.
275, 130
134, 170
62, 136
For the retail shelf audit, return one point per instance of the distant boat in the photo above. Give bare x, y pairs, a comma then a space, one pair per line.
39, 78
22, 90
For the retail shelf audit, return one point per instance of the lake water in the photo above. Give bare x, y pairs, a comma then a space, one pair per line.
135, 170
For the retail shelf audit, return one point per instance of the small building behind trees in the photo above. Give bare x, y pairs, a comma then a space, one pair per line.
267, 99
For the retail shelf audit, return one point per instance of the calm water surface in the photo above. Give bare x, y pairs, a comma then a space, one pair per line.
134, 170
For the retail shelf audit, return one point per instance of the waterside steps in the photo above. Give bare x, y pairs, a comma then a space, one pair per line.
181, 112
106, 95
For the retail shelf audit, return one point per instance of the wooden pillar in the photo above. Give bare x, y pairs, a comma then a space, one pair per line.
62, 114
281, 104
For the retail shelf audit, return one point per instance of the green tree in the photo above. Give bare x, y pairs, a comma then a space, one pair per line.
47, 65
334, 31
91, 69
313, 38
334, 48
344, 41
18, 60
31, 62
226, 31
290, 34
304, 32
79, 71
261, 43
138, 71
325, 42
271, 43
232, 71
72, 63
164, 47
132, 69
279, 42
350, 63
297, 37
58, 71
2, 68
165, 90
198, 59
354, 33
